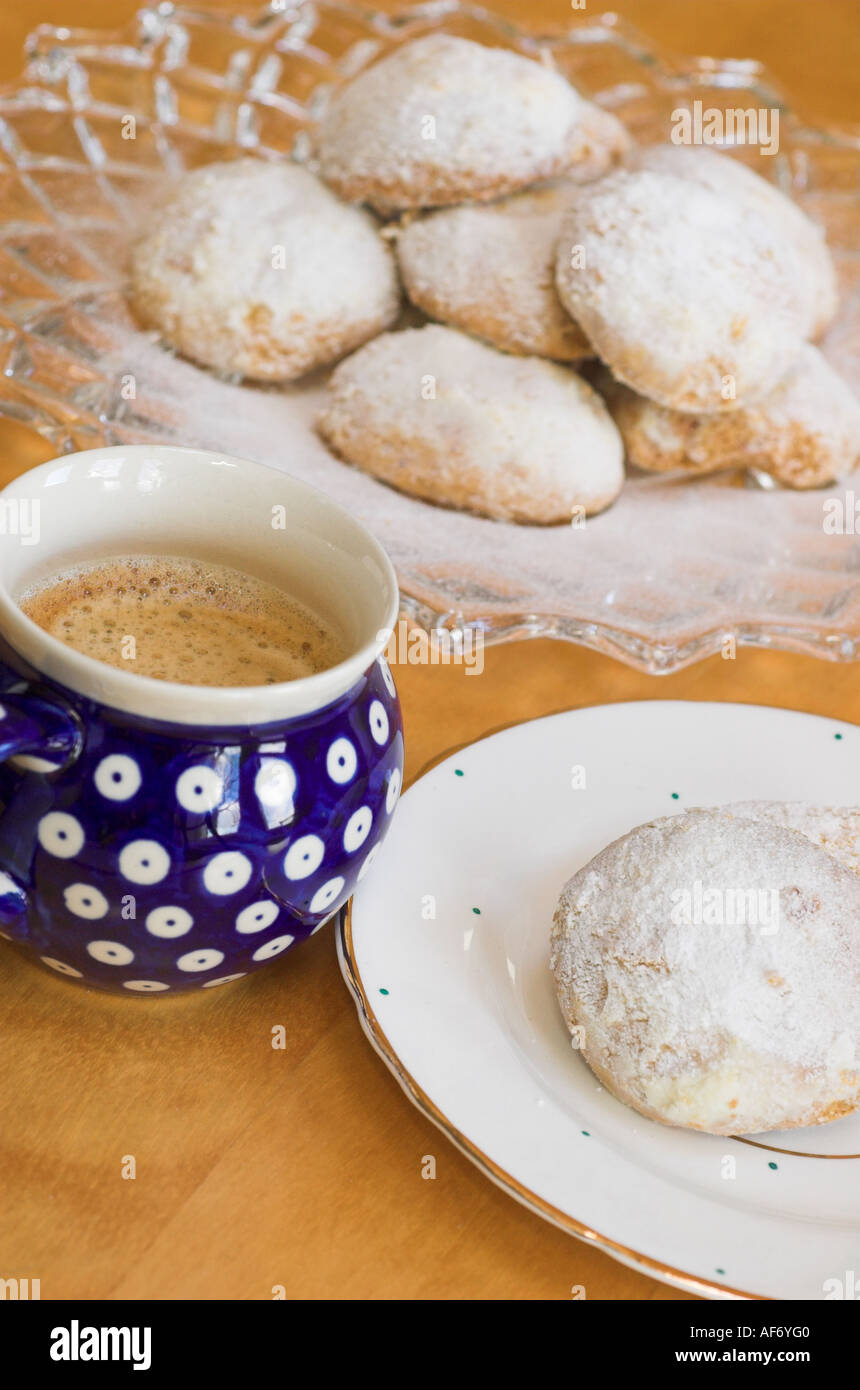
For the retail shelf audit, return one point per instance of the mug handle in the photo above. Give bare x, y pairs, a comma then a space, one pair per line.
33, 726
30, 724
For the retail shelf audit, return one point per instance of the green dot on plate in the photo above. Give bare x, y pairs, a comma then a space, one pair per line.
458, 772
586, 1133
675, 796
383, 991
773, 1165
719, 1271
477, 911
837, 735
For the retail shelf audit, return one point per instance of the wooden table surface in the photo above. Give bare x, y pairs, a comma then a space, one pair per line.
302, 1168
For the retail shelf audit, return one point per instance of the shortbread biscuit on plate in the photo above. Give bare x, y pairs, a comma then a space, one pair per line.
710, 967
805, 432
443, 417
259, 269
693, 299
728, 177
490, 270
444, 120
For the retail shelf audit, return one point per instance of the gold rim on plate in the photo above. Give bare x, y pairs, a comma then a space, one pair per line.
634, 1259
644, 1264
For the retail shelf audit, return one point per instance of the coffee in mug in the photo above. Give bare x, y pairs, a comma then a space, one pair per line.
179, 619
159, 836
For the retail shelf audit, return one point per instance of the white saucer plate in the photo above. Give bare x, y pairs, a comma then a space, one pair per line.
446, 949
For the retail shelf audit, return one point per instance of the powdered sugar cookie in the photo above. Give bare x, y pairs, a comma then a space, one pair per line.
490, 270
728, 177
806, 431
712, 964
258, 268
835, 829
691, 298
443, 417
443, 120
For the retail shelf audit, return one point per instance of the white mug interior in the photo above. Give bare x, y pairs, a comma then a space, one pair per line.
143, 499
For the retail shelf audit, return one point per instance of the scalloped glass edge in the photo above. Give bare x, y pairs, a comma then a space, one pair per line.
47, 54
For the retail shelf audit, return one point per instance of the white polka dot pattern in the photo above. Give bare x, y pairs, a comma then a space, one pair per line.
118, 777
304, 857
199, 790
110, 952
393, 790
61, 834
341, 761
227, 873
144, 862
357, 829
275, 789
257, 916
273, 947
325, 896
169, 922
378, 723
200, 960
186, 863
61, 967
83, 900
387, 677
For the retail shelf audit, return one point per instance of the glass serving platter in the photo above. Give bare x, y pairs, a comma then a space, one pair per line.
675, 571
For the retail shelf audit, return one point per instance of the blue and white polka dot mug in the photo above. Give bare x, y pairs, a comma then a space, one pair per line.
158, 837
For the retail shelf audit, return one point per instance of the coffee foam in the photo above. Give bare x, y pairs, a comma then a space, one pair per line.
185, 620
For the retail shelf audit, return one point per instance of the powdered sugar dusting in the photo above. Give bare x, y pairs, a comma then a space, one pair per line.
258, 268
490, 270
445, 417
668, 561
701, 1020
806, 431
834, 829
443, 120
729, 178
681, 289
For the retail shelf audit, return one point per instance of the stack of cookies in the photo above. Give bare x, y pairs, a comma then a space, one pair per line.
519, 218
